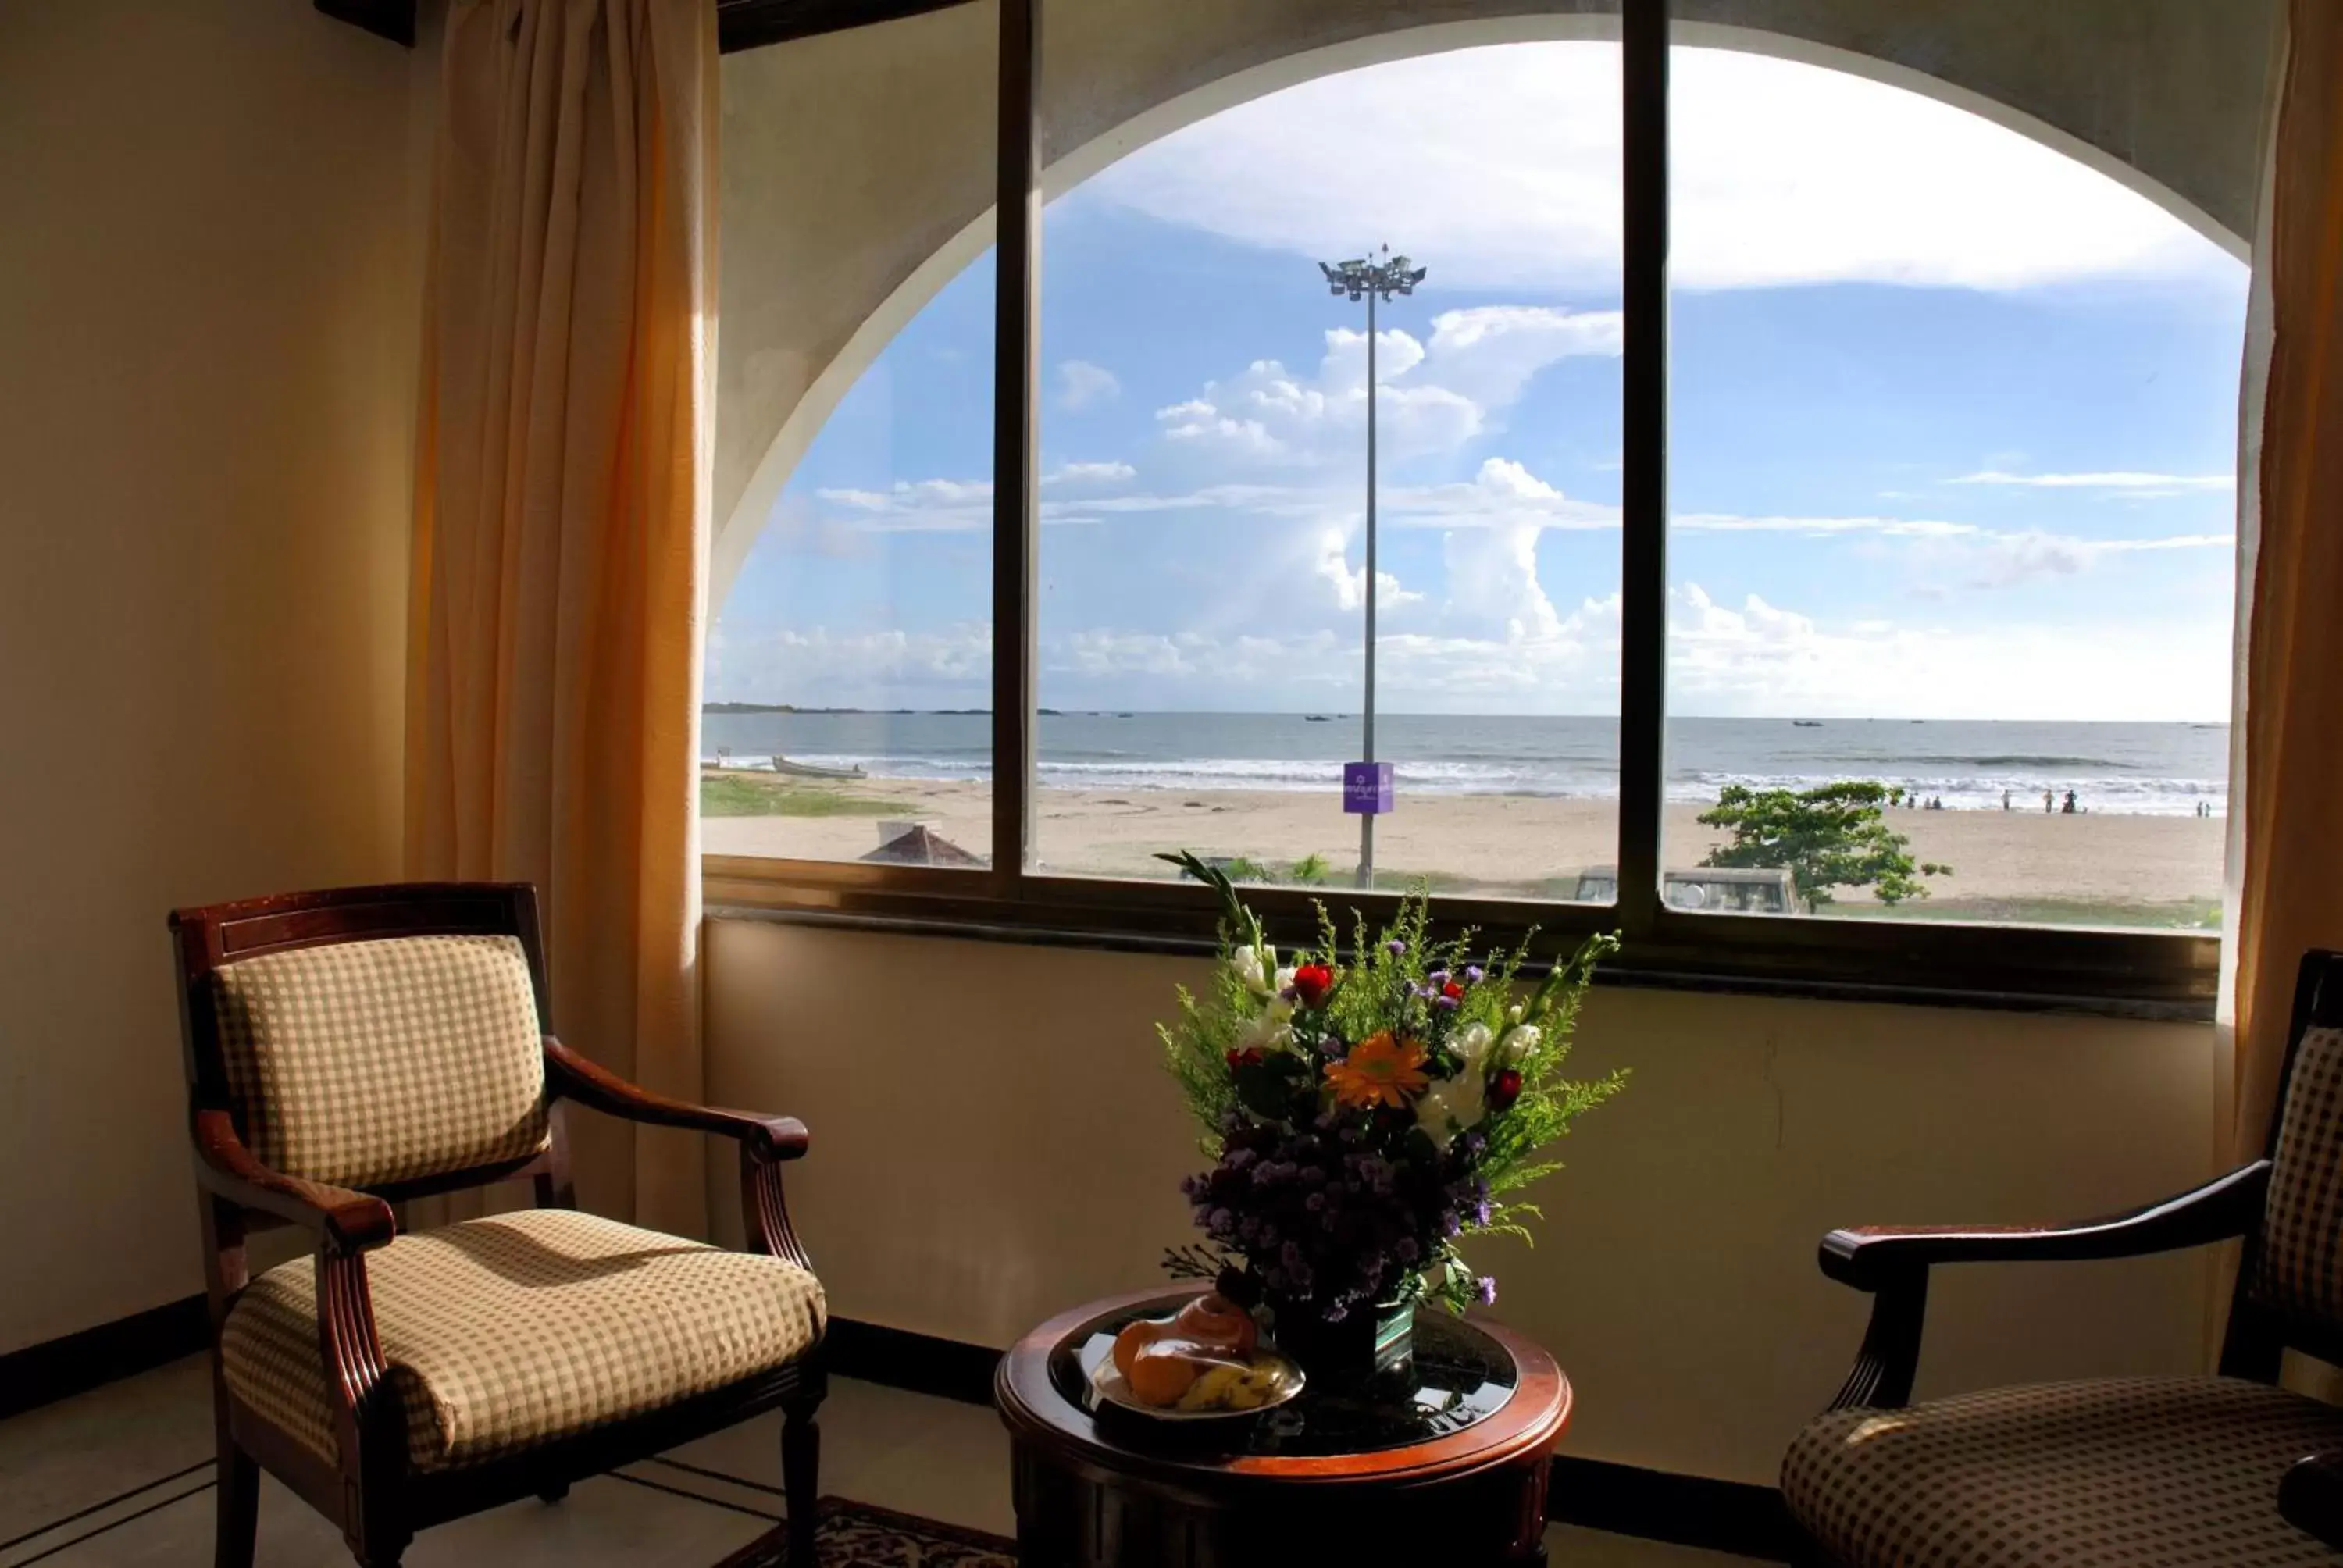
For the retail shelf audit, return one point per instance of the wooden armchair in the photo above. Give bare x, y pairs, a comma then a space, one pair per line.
2127, 1471
349, 1049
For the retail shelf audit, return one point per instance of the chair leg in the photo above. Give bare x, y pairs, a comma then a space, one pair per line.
801, 1478
239, 1506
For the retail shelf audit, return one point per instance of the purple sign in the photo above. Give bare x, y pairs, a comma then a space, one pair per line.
1366, 788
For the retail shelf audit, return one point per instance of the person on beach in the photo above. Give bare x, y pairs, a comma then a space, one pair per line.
2068, 809
2048, 801
2005, 799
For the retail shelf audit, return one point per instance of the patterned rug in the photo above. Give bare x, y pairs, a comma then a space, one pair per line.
857, 1536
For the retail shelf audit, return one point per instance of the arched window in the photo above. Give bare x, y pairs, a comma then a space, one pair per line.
1948, 541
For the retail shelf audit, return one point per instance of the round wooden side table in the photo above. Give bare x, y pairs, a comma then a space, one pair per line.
1442, 1463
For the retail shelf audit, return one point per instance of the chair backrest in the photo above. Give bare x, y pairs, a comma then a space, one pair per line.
2292, 1272
386, 1038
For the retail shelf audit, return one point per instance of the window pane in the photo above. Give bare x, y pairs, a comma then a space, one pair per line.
1205, 471
1952, 440
850, 671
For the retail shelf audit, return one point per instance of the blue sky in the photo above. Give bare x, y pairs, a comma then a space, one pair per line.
1953, 421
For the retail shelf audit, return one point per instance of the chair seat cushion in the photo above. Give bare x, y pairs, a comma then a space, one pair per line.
504, 1332
2135, 1472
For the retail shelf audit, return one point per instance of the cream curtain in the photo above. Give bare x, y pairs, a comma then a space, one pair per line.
561, 525
2290, 808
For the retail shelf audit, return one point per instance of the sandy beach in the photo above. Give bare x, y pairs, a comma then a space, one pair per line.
1519, 845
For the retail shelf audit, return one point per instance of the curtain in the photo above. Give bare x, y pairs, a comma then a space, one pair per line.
2289, 810
564, 456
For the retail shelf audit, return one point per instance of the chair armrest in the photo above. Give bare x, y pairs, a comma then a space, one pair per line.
349, 1221
2310, 1496
1867, 1257
588, 1083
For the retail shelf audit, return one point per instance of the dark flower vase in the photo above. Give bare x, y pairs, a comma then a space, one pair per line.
1364, 1346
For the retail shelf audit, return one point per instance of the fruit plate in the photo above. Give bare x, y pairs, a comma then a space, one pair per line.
1284, 1380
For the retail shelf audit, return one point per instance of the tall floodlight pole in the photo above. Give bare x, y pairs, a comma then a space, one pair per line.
1367, 791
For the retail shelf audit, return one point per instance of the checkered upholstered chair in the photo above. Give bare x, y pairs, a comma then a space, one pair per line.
2125, 1473
349, 1049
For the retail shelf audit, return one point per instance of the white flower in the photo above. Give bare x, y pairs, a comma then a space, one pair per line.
1513, 1013
1452, 1106
1519, 1042
1247, 962
1270, 1030
1471, 1042
1282, 981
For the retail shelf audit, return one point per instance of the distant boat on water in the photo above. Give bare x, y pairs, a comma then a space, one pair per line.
1806, 723
1318, 717
809, 770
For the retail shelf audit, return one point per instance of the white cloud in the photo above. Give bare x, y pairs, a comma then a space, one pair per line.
1108, 473
1433, 397
1490, 353
1350, 584
2000, 560
1820, 527
1502, 495
1082, 385
2134, 484
1492, 581
948, 667
1765, 659
1499, 167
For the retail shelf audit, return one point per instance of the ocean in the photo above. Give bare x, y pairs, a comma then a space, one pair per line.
2160, 769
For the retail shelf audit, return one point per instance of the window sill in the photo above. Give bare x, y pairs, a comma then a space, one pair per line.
2132, 974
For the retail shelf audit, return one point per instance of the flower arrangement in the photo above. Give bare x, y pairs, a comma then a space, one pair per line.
1363, 1118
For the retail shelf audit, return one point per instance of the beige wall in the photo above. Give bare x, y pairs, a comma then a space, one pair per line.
993, 1141
209, 291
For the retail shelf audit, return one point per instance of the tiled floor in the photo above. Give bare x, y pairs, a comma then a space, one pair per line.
122, 1476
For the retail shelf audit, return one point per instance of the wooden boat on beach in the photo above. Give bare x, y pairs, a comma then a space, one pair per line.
809, 770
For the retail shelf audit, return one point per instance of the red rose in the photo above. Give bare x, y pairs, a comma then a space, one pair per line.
1311, 982
1452, 991
1506, 1090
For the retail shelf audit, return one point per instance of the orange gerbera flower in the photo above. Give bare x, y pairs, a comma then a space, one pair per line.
1380, 1071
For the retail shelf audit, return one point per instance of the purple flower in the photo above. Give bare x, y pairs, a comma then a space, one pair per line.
1447, 1003
1407, 1250
1473, 974
1394, 946
1482, 1212
1436, 979
1315, 1202
1485, 1290
1238, 1158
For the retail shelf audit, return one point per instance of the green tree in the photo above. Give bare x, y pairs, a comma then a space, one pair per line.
1830, 837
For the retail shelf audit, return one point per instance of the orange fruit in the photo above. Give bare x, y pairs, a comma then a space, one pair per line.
1161, 1373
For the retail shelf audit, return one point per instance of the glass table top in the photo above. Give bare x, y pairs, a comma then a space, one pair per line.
1458, 1376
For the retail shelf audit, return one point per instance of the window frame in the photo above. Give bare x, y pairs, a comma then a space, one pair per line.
2122, 972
